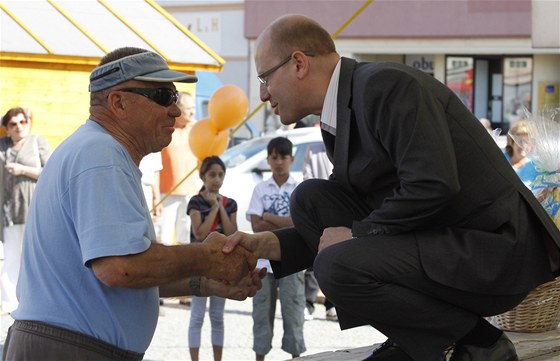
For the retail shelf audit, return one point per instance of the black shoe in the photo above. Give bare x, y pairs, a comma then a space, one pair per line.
501, 350
388, 351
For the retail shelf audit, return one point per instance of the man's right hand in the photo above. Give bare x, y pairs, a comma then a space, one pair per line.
231, 266
261, 244
243, 239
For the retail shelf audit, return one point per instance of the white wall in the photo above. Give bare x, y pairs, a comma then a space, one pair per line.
219, 24
546, 23
546, 68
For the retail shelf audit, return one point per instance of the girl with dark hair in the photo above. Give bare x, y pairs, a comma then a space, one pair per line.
210, 212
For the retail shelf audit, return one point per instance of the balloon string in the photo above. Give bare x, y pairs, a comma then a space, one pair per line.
246, 119
333, 36
172, 189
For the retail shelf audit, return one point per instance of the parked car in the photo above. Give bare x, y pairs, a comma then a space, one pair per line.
247, 166
246, 132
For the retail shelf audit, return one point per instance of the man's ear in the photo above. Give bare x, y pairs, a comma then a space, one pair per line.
117, 103
302, 63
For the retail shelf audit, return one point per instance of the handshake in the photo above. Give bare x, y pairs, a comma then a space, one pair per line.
230, 270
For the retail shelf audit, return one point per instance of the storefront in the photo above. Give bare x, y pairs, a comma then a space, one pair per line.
487, 52
497, 88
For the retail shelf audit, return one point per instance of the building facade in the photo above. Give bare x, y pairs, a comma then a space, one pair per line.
498, 56
219, 24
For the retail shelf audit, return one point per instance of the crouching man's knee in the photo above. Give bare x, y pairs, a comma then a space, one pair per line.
326, 271
305, 193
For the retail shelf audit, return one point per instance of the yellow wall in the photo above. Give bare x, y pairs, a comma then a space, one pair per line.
57, 94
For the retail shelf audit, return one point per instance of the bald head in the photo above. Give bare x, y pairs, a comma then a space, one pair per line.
295, 59
296, 32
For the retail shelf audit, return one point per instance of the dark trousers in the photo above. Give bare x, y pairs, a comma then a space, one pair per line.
37, 341
379, 280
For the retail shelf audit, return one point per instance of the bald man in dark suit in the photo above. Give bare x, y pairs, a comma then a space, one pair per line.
423, 228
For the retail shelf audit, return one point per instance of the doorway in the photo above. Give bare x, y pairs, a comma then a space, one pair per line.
488, 86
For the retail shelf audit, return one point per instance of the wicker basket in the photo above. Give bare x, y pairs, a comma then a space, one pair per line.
539, 311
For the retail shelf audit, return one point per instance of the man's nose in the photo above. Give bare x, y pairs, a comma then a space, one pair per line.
263, 92
174, 110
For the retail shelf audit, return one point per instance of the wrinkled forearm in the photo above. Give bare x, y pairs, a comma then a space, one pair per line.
175, 289
159, 265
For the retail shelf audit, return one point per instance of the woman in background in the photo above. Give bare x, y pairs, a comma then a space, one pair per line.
516, 154
22, 158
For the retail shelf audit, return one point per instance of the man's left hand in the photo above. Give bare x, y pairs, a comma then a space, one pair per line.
246, 287
334, 235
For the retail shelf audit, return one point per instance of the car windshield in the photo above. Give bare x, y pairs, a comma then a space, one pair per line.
239, 153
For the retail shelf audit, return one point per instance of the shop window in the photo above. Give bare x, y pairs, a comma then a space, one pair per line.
518, 79
459, 78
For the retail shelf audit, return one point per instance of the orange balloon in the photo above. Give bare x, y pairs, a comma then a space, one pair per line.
206, 140
228, 106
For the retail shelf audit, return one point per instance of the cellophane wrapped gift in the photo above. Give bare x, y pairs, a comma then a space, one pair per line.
540, 310
544, 149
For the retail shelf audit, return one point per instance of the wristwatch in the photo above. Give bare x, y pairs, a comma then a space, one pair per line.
194, 284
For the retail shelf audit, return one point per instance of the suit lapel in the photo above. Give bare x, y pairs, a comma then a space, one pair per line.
343, 117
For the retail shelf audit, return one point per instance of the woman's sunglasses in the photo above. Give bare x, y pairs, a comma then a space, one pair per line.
15, 124
162, 96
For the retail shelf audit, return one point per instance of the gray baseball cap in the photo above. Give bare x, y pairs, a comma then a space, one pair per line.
146, 66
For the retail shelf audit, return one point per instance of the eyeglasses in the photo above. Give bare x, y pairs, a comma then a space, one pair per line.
15, 124
263, 77
162, 96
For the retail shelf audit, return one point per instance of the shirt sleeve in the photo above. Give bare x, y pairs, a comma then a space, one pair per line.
231, 206
110, 217
256, 205
194, 203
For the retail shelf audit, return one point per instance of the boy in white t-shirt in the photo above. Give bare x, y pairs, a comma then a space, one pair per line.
269, 209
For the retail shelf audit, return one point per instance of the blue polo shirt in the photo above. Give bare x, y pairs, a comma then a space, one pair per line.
88, 204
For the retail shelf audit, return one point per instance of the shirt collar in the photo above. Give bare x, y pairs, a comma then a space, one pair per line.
328, 114
291, 181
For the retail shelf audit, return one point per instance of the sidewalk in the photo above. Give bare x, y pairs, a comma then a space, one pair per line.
324, 339
170, 340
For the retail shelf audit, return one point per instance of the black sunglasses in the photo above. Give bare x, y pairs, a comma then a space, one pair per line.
162, 96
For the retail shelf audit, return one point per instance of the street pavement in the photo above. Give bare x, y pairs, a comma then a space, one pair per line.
170, 339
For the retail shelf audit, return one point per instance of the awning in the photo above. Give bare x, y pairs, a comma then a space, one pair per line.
83, 31
207, 84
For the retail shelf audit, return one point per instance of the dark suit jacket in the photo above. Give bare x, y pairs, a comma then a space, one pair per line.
420, 159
